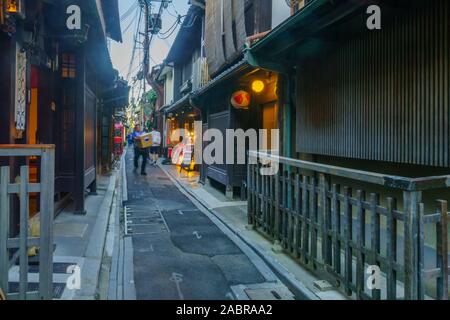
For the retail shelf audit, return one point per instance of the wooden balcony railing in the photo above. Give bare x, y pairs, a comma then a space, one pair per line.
318, 216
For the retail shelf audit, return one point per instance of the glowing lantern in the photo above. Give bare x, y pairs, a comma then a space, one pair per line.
240, 99
12, 6
258, 86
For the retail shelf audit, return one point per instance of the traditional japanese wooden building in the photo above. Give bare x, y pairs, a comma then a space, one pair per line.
364, 144
183, 73
57, 84
229, 29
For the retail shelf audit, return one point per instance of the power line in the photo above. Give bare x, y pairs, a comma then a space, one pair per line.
132, 21
134, 45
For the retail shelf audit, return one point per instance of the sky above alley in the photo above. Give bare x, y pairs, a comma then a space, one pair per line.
121, 53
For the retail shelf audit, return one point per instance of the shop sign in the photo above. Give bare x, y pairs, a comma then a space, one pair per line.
21, 91
240, 99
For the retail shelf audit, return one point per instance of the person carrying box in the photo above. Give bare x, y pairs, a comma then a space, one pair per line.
139, 149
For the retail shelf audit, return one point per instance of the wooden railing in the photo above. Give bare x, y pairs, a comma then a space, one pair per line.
339, 232
17, 247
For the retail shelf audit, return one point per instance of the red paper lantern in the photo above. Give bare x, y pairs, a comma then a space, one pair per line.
240, 99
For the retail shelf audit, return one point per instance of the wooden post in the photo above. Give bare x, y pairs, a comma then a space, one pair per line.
257, 208
336, 227
277, 207
264, 197
360, 242
313, 221
47, 209
348, 226
305, 222
325, 220
375, 236
23, 235
284, 208
442, 250
411, 200
296, 209
290, 213
79, 187
4, 227
250, 209
269, 205
391, 243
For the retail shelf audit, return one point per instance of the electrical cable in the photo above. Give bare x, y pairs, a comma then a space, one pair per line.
131, 22
128, 12
130, 66
174, 25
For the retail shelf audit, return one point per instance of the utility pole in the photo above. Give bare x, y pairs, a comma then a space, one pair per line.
146, 53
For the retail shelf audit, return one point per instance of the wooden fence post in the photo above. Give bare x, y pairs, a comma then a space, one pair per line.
277, 207
325, 220
23, 235
360, 242
296, 208
391, 243
348, 227
4, 227
336, 227
411, 200
249, 193
47, 208
305, 218
375, 236
442, 251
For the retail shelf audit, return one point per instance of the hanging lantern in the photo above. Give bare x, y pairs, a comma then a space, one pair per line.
240, 99
15, 7
12, 6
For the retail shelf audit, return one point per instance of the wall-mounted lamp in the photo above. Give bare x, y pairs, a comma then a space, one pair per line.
258, 86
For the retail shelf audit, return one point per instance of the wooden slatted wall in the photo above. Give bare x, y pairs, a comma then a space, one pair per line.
381, 96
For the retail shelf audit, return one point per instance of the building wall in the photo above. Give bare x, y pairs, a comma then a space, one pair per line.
169, 89
5, 87
280, 12
380, 95
227, 26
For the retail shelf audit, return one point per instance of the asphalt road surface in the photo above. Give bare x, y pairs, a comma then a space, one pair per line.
179, 253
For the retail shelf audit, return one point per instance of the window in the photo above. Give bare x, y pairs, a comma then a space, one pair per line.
68, 66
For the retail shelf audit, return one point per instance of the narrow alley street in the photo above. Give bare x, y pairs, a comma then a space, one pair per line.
291, 150
179, 253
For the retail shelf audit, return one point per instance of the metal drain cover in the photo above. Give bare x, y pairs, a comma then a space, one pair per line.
144, 220
146, 229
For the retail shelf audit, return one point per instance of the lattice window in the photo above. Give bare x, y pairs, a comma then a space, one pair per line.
69, 65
